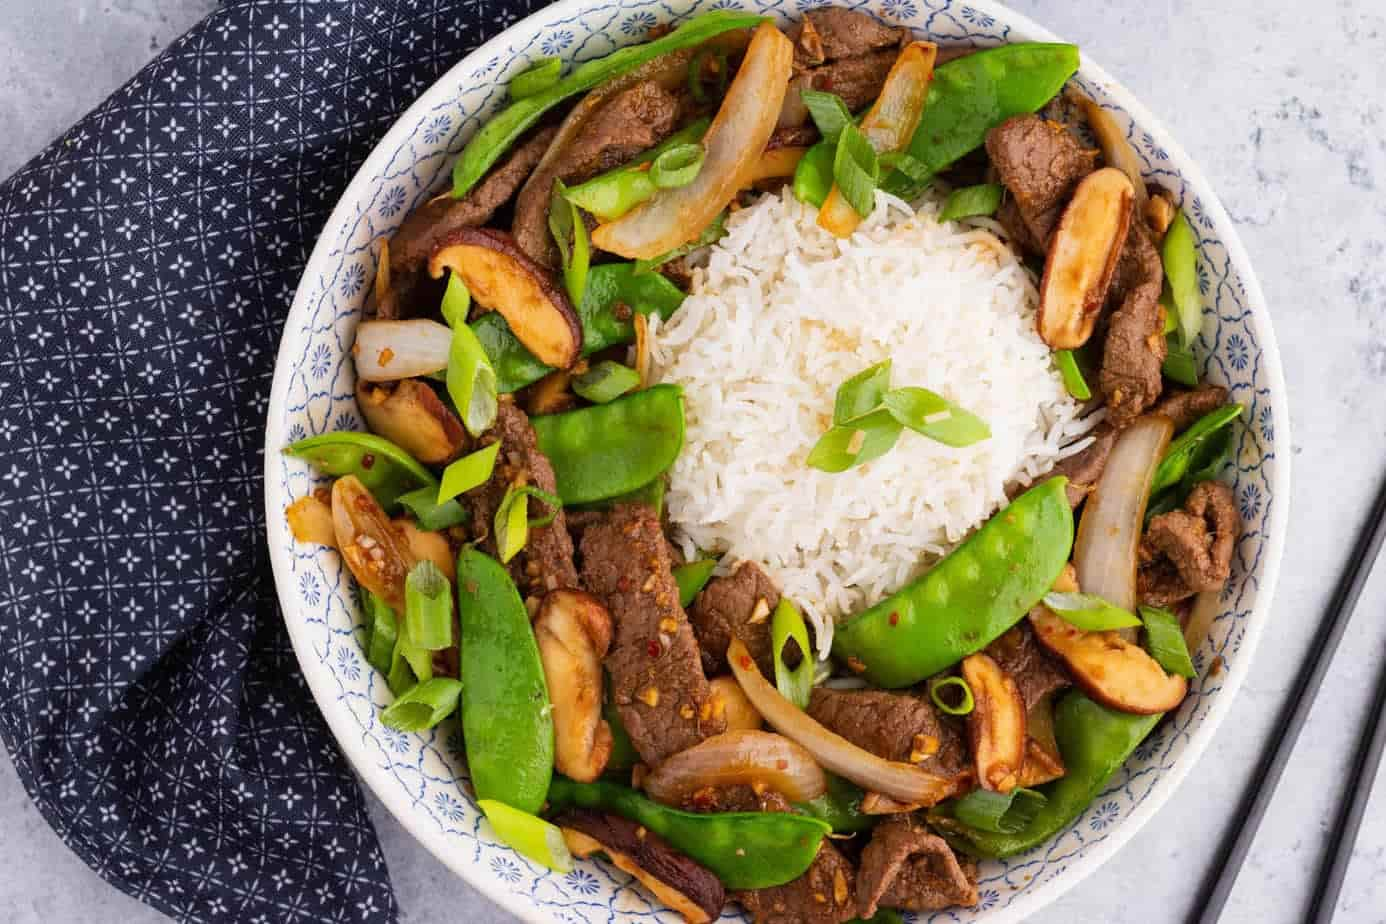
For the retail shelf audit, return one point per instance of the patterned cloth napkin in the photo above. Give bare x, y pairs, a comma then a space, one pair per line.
148, 694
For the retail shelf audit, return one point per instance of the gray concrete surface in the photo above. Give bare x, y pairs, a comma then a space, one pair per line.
1283, 108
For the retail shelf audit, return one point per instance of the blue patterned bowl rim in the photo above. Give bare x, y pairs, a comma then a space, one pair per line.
420, 779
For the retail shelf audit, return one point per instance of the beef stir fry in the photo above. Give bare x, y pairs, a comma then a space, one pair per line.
504, 517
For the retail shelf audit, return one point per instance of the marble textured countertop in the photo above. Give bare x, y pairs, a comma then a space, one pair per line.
1283, 108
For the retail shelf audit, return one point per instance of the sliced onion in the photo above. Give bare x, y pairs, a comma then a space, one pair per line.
1206, 607
387, 351
776, 163
1109, 534
739, 758
901, 781
734, 142
1116, 149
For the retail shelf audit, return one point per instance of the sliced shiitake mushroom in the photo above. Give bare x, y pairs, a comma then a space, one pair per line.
680, 883
500, 276
1083, 255
410, 415
996, 725
310, 520
376, 552
1111, 670
574, 633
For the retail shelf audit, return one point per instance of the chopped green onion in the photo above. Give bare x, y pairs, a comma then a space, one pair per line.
971, 201
428, 606
677, 166
457, 301
692, 578
570, 234
710, 235
610, 195
965, 703
410, 663
1180, 255
1074, 382
424, 706
471, 381
383, 633
468, 472
862, 393
431, 515
537, 78
606, 381
1089, 612
512, 523
829, 113
813, 178
531, 836
856, 170
1180, 455
907, 164
999, 813
1180, 365
936, 417
401, 678
855, 443
561, 220
1165, 639
788, 623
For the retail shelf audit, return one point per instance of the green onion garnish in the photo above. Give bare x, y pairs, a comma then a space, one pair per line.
965, 703
971, 201
471, 381
457, 301
610, 195
431, 515
1180, 255
606, 381
910, 166
468, 472
570, 234
829, 113
428, 607
1180, 365
1089, 612
1074, 382
692, 578
512, 523
862, 393
537, 78
533, 837
677, 166
1180, 455
1165, 640
695, 74
855, 443
424, 706
934, 416
999, 813
383, 633
788, 623
856, 170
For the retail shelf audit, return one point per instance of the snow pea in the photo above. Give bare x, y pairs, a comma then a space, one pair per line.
385, 469
613, 292
610, 195
840, 807
813, 177
497, 135
745, 850
1094, 741
607, 450
1187, 448
505, 702
981, 589
971, 95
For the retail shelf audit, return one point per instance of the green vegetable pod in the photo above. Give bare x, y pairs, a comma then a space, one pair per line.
840, 807
981, 589
505, 702
612, 449
692, 578
1094, 741
745, 850
385, 469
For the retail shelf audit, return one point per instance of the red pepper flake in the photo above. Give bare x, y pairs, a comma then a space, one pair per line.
746, 663
624, 584
894, 618
367, 461
781, 765
654, 649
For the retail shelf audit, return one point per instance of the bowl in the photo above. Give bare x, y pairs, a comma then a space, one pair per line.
422, 778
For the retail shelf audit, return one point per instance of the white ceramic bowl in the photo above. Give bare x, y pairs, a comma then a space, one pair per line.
420, 777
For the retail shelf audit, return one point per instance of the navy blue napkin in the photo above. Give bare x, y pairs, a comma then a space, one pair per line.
148, 694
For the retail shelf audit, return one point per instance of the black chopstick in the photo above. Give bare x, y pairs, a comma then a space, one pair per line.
1355, 799
1235, 844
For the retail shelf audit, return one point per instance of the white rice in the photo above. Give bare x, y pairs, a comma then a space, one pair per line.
779, 317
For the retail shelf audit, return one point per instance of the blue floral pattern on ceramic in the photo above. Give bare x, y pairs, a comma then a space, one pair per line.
422, 778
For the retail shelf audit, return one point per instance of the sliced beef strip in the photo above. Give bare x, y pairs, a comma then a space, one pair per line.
413, 244
736, 606
1185, 407
906, 867
657, 680
858, 80
1009, 217
546, 562
1035, 671
633, 121
1040, 163
833, 33
1135, 347
1083, 469
1188, 551
822, 895
893, 726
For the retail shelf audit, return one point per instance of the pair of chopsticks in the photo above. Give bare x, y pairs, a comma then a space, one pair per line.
1233, 850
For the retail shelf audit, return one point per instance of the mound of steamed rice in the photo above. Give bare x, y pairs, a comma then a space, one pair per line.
779, 317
